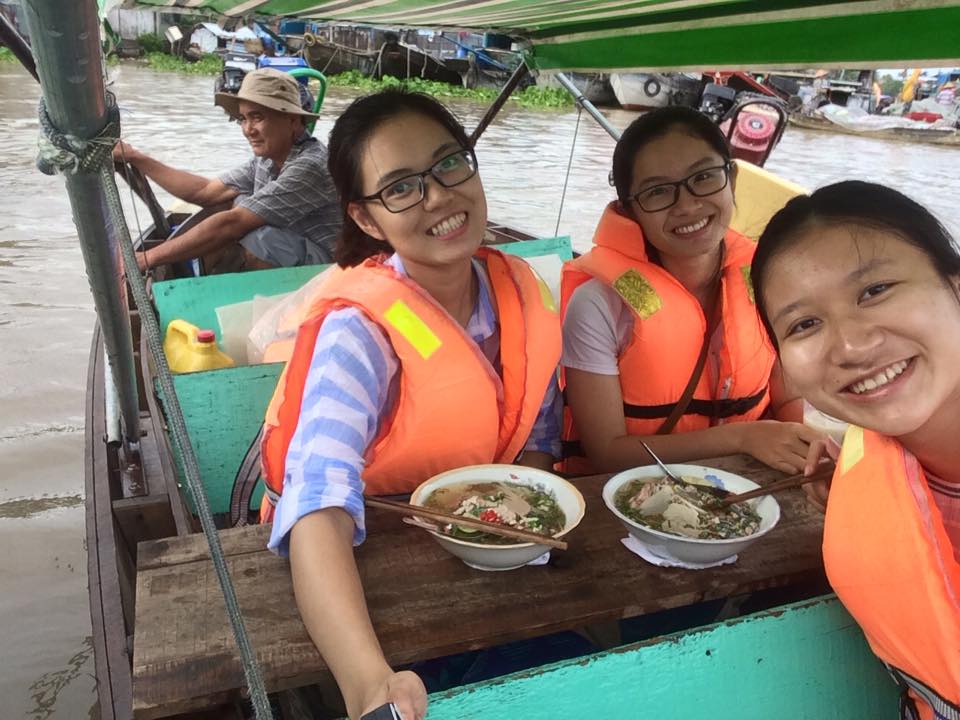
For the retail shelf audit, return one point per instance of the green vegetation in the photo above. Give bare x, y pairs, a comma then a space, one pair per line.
207, 65
543, 97
530, 97
533, 97
889, 85
6, 55
152, 43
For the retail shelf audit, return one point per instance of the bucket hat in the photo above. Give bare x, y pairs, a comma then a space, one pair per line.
268, 87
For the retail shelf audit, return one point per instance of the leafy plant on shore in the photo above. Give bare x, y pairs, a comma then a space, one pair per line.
206, 65
529, 97
6, 55
533, 97
152, 43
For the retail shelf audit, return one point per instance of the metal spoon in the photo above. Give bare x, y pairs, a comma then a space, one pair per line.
713, 489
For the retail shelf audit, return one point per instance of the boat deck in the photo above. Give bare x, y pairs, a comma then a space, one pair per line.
425, 603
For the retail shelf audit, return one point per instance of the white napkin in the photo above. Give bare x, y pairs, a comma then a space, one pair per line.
541, 560
662, 558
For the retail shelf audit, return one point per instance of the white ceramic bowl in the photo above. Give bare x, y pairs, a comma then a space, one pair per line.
692, 550
503, 557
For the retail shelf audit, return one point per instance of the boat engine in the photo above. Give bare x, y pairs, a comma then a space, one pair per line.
753, 126
717, 100
237, 64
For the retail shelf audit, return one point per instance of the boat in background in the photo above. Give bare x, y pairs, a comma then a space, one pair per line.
853, 121
648, 91
332, 58
595, 86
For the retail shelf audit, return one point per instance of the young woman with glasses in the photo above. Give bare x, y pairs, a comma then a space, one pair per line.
662, 342
421, 353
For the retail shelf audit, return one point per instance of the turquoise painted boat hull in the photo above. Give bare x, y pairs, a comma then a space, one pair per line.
805, 661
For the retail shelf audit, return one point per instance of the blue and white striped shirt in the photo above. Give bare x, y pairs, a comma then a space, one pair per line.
352, 383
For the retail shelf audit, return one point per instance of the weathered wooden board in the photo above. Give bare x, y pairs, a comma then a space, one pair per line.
425, 603
808, 660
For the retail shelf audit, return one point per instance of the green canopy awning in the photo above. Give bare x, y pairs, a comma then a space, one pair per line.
597, 35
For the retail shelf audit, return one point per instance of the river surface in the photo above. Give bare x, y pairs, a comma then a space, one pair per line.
46, 315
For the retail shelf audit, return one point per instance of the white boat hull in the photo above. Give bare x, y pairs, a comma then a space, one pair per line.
641, 91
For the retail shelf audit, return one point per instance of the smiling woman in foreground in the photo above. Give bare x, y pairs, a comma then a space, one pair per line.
421, 353
860, 289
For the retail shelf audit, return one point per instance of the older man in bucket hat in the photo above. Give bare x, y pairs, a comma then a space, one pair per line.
284, 207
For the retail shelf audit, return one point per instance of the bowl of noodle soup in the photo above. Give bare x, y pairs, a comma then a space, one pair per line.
515, 496
675, 525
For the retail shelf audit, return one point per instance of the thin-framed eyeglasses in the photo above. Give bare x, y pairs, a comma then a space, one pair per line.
449, 171
699, 184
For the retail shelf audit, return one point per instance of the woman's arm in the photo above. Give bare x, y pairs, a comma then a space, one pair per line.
319, 517
331, 602
596, 403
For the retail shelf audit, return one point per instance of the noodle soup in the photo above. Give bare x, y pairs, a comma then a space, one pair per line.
667, 506
525, 507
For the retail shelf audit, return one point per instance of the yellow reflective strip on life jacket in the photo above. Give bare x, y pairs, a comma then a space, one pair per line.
638, 293
748, 281
852, 451
413, 329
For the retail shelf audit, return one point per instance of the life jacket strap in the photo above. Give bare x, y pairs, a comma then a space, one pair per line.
943, 709
717, 409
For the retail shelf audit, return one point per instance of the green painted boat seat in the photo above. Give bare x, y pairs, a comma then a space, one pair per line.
224, 408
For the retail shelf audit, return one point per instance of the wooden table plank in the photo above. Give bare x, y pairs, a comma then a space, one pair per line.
425, 603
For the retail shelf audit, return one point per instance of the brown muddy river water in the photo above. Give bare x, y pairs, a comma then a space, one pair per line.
46, 316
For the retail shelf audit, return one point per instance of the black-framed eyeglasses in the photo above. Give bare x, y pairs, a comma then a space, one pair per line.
700, 184
449, 171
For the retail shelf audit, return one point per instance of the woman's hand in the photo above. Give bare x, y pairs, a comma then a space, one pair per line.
405, 690
784, 446
817, 492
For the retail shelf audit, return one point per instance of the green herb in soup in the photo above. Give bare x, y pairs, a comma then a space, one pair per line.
524, 507
670, 507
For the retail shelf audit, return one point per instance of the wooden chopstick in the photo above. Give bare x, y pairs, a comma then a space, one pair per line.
492, 528
822, 473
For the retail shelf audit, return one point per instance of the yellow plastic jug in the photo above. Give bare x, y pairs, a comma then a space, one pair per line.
189, 349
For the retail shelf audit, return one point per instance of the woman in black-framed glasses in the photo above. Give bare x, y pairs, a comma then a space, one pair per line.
662, 341
397, 372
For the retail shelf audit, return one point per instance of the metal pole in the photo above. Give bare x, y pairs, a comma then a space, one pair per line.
588, 106
505, 93
18, 46
66, 44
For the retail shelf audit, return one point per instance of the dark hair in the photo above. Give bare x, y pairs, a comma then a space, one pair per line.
348, 140
853, 202
654, 125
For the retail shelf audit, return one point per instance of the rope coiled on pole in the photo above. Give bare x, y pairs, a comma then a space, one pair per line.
70, 154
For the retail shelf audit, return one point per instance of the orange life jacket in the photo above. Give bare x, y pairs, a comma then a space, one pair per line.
452, 408
668, 331
891, 563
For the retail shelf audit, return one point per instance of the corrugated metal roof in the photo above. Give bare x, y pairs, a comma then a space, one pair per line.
665, 34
